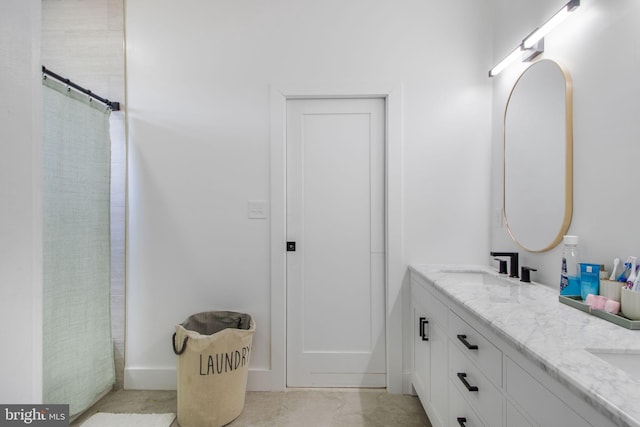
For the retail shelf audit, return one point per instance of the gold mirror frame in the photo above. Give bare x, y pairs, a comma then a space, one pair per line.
568, 163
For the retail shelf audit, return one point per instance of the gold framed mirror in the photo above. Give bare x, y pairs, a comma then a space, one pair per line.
538, 157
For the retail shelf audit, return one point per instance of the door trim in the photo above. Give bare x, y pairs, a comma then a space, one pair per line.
274, 378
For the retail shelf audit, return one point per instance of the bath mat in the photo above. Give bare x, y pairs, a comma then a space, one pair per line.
103, 419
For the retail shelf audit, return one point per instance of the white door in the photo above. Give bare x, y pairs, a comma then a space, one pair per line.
335, 215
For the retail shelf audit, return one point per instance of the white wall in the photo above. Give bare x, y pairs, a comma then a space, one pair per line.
21, 203
600, 46
198, 79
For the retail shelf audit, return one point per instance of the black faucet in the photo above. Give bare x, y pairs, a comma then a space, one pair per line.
525, 273
502, 265
513, 263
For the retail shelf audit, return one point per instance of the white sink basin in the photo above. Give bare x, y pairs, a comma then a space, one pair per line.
627, 361
479, 276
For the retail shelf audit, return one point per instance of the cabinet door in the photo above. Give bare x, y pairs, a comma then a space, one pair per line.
421, 356
515, 418
539, 403
430, 349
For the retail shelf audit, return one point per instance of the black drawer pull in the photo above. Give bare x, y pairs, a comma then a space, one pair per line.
463, 378
461, 421
463, 339
424, 334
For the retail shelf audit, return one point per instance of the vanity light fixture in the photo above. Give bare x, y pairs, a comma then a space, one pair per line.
553, 22
519, 53
506, 61
533, 44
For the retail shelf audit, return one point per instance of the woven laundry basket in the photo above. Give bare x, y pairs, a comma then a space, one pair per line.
213, 350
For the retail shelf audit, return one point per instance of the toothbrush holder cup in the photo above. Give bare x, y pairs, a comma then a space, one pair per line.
611, 289
630, 304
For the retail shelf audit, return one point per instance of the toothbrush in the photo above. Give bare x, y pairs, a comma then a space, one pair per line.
636, 284
623, 276
632, 275
616, 263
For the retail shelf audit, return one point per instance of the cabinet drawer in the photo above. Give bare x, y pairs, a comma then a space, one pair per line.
460, 413
515, 418
486, 355
436, 310
487, 399
540, 404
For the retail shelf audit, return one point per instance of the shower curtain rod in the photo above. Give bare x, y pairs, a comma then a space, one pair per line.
115, 106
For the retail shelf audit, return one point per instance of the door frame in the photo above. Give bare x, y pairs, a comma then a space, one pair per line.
275, 377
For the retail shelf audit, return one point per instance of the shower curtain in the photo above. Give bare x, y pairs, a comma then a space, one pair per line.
78, 364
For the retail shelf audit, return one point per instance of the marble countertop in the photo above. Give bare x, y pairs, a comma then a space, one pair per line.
552, 335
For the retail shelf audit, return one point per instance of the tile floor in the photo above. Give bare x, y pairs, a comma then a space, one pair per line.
308, 408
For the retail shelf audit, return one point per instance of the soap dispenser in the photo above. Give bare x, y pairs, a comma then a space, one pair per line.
569, 278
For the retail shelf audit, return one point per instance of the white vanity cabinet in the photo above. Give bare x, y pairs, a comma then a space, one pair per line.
430, 342
466, 375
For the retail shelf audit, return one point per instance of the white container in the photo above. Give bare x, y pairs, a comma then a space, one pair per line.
611, 289
630, 304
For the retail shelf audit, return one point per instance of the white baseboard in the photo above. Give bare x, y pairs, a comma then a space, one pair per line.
165, 379
264, 380
150, 379
407, 387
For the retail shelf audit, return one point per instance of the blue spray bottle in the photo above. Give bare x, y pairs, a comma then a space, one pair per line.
570, 279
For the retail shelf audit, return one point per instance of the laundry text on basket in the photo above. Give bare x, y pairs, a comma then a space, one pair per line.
224, 362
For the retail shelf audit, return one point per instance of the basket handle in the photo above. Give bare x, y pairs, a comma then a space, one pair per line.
184, 345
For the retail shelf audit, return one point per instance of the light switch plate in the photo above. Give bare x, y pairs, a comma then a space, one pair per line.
257, 209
